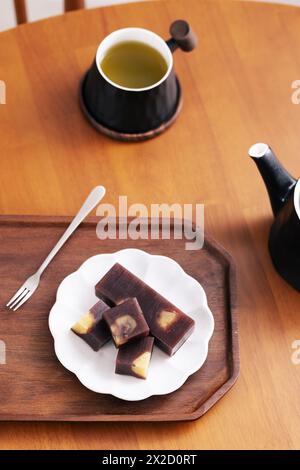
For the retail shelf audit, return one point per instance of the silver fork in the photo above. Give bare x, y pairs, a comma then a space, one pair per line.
32, 283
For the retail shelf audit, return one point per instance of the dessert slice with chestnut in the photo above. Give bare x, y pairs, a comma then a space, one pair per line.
134, 358
92, 327
126, 322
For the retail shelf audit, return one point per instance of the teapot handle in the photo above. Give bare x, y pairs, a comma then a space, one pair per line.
182, 36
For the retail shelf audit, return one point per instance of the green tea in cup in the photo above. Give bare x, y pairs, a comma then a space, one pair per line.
133, 64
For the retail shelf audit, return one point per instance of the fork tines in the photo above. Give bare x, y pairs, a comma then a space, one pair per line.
18, 299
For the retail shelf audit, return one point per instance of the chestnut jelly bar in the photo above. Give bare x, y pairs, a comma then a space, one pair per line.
169, 325
126, 322
92, 328
134, 358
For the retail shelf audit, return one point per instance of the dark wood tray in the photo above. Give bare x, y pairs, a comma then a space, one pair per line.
35, 386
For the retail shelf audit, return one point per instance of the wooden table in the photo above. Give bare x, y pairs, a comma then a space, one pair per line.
237, 90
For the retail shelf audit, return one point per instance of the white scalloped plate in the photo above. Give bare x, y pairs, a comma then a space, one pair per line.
95, 370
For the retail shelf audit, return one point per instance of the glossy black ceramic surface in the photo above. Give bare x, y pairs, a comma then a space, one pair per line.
284, 244
284, 237
129, 111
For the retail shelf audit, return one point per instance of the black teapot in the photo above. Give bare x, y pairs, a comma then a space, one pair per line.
284, 194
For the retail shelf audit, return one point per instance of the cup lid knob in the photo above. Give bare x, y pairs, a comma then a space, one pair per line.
183, 34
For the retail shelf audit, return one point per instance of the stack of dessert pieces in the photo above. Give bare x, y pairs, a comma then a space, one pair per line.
133, 315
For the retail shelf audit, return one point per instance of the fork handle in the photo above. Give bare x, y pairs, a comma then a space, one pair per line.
90, 203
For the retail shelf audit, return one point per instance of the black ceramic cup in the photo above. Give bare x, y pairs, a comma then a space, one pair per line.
138, 112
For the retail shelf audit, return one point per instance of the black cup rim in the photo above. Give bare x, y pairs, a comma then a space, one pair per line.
126, 136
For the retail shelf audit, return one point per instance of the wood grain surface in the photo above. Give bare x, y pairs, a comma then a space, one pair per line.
237, 90
35, 386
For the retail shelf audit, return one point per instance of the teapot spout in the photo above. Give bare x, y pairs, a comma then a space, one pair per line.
278, 181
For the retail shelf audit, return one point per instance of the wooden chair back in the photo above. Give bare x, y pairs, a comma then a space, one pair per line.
21, 12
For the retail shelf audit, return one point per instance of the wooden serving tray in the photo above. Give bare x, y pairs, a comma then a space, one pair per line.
35, 386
